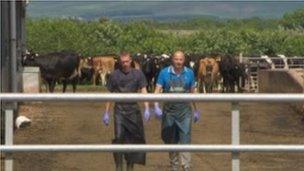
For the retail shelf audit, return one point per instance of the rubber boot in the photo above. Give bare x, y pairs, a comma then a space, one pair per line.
130, 166
185, 160
118, 161
174, 162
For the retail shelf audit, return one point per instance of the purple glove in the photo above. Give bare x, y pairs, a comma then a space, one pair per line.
196, 116
158, 111
147, 114
106, 118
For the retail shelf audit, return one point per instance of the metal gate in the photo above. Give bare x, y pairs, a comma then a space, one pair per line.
234, 148
254, 65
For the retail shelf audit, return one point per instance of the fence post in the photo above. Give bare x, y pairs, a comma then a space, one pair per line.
235, 136
9, 114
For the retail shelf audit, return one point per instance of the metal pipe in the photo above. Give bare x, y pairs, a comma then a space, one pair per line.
152, 148
9, 138
256, 58
13, 45
14, 88
235, 134
13, 97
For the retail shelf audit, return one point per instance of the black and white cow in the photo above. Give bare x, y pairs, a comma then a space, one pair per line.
57, 66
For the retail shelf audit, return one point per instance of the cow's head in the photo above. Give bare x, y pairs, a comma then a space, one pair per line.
86, 62
192, 63
218, 58
209, 68
29, 58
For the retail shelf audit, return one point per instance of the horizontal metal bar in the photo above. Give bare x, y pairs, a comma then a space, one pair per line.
128, 97
152, 148
296, 57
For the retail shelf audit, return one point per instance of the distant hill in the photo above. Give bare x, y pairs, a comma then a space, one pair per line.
160, 10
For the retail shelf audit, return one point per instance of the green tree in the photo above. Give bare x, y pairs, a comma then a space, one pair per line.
293, 20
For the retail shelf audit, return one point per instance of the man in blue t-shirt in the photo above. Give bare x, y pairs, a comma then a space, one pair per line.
177, 116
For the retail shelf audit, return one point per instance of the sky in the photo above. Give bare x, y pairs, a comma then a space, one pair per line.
161, 9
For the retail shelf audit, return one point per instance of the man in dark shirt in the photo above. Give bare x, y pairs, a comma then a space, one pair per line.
128, 122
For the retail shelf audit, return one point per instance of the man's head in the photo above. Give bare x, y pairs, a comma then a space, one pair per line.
178, 60
125, 60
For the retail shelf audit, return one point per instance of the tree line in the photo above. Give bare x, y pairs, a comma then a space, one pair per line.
252, 36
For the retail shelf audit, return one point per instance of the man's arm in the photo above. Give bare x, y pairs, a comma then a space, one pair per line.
106, 115
144, 91
158, 89
108, 106
193, 90
157, 109
196, 114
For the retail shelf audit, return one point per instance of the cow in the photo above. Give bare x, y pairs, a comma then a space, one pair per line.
233, 73
208, 74
192, 61
147, 63
103, 66
227, 70
137, 60
86, 75
149, 68
86, 62
161, 61
57, 66
87, 70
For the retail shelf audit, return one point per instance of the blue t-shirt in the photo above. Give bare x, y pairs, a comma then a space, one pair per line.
167, 74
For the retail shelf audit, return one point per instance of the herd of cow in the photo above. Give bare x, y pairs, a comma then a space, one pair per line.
221, 71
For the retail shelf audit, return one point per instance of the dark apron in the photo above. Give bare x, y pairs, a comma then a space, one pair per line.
128, 125
176, 120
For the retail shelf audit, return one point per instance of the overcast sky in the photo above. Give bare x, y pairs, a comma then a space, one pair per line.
161, 9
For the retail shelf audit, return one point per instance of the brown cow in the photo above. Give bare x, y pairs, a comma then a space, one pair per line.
102, 65
208, 74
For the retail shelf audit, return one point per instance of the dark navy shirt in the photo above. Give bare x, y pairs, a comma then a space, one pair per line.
130, 82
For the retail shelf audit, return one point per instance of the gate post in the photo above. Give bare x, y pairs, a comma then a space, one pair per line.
9, 126
235, 134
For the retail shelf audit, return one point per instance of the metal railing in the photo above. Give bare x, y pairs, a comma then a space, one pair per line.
278, 63
235, 148
293, 62
218, 97
153, 148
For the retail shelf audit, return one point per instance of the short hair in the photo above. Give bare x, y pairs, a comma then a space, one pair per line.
178, 52
124, 53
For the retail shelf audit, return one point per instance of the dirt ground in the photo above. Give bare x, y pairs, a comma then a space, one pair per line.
81, 123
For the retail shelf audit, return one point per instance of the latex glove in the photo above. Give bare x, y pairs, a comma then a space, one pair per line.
196, 116
147, 114
158, 111
106, 118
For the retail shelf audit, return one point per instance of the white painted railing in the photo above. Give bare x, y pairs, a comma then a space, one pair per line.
235, 148
56, 97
